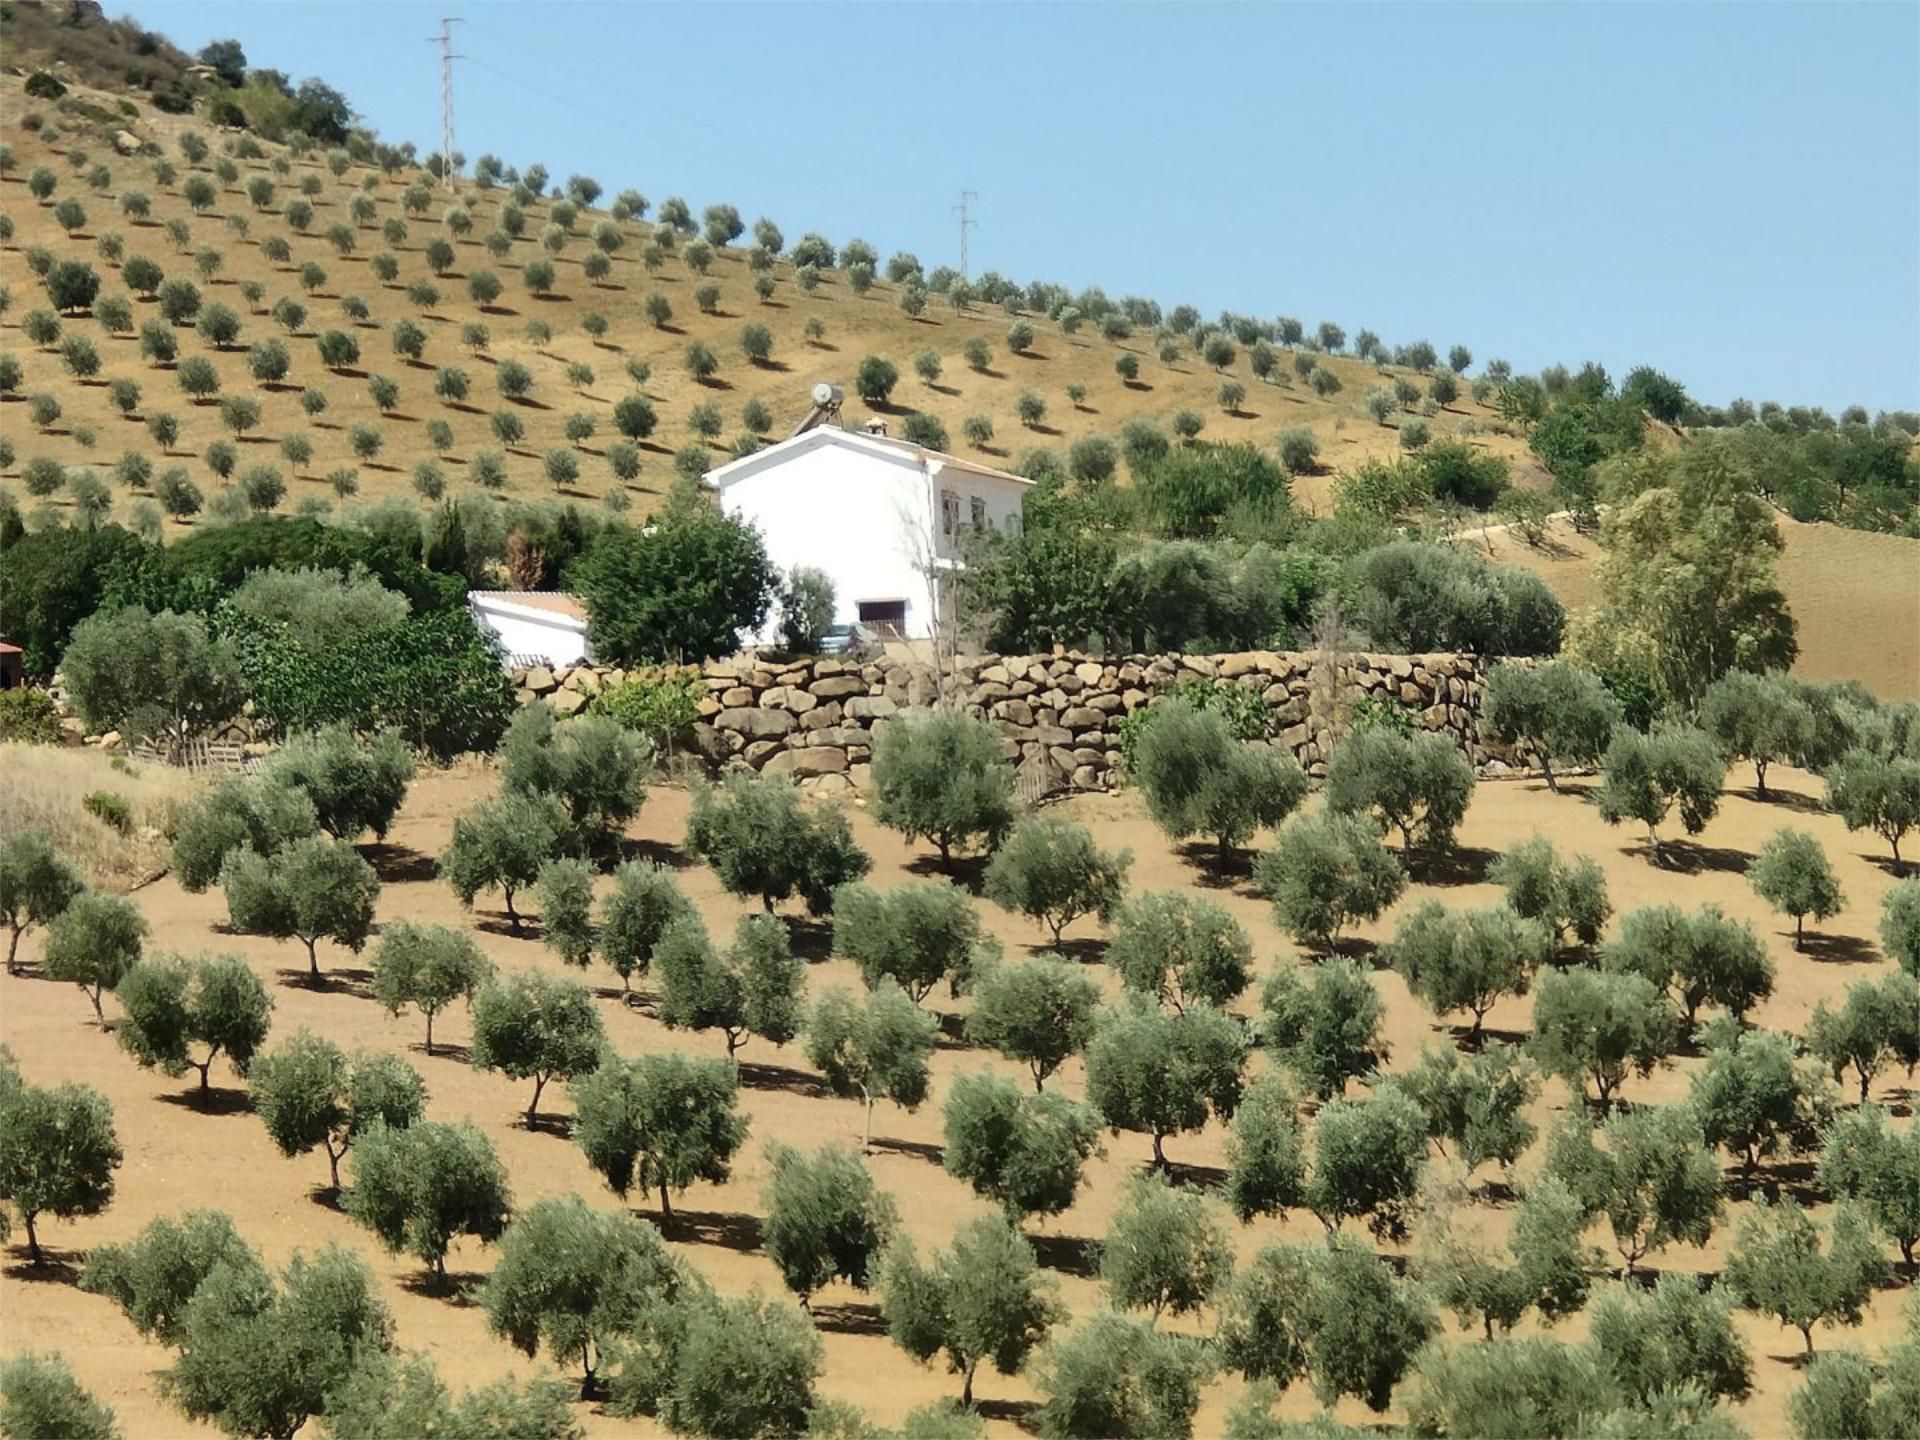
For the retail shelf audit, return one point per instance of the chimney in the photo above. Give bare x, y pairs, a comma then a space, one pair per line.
877, 426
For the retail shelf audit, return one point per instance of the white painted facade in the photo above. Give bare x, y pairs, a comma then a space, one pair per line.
880, 516
533, 626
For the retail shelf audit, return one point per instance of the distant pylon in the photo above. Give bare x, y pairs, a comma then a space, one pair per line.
445, 41
967, 222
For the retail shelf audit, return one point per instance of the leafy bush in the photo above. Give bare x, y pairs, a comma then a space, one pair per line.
763, 844
1051, 871
1024, 1152
1560, 711
1414, 597
29, 717
1324, 871
660, 705
1418, 784
1199, 777
942, 777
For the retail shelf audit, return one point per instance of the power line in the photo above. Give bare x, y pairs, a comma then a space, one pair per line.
967, 222
445, 41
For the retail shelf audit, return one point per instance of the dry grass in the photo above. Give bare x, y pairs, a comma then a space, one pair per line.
46, 786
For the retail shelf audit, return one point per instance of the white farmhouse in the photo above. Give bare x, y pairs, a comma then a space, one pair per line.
533, 627
883, 518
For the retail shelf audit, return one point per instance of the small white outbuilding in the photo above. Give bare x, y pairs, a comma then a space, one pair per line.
533, 627
885, 519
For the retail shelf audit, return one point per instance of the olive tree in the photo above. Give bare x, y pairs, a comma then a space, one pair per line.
1368, 1156
1900, 926
764, 845
1777, 1266
1792, 874
309, 890
1199, 779
93, 943
659, 1122
39, 1396
172, 1004
1877, 1167
1051, 871
1676, 1337
915, 934
148, 674
1466, 960
1568, 897
501, 844
1877, 793
356, 785
1038, 1012
1023, 1152
1159, 1074
58, 1151
1325, 871
1545, 1265
428, 967
1875, 1024
37, 883
1559, 711
423, 1186
635, 914
593, 764
1698, 959
1598, 1025
942, 777
1755, 1097
1180, 950
1119, 1378
309, 1092
981, 1300
752, 989
872, 1050
240, 813
1166, 1250
535, 1027
1655, 1181
825, 1218
1418, 784
1324, 1024
1762, 719
1645, 776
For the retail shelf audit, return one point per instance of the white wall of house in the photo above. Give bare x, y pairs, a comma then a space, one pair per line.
869, 512
531, 632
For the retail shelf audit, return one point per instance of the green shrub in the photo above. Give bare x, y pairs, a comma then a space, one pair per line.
942, 776
1324, 871
110, 809
660, 705
1051, 871
1418, 784
1200, 778
29, 717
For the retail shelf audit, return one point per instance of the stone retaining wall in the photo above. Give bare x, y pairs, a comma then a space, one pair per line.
1059, 714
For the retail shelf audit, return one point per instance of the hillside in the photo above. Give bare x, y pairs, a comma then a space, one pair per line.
854, 326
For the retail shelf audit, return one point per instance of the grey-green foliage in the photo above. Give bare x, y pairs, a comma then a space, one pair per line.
1755, 1096
1038, 1012
1200, 779
763, 844
426, 966
152, 1276
150, 675
1761, 719
356, 785
1703, 958
1645, 776
37, 883
1325, 871
1119, 1379
982, 1300
713, 1365
1841, 1396
1159, 1074
309, 1092
1778, 1266
535, 1027
1875, 1024
1337, 1314
172, 1004
1476, 1105
320, 606
1562, 712
400, 1396
1024, 1152
58, 1151
1418, 784
806, 599
1051, 871
942, 777
918, 934
502, 843
1180, 950
39, 1397
1679, 1334
1368, 1157
572, 1280
1466, 959
1791, 873
752, 989
563, 889
1900, 926
873, 1049
259, 1357
1569, 897
825, 1218
1877, 792
309, 890
1544, 1265
634, 915
1323, 1024
1166, 1250
1656, 1181
93, 943
421, 1187
659, 1122
1599, 1025
1535, 1385
594, 765
1877, 1166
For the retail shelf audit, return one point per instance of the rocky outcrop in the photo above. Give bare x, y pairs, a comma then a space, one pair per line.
1059, 715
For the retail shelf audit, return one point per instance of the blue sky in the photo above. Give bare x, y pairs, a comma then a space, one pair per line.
1729, 192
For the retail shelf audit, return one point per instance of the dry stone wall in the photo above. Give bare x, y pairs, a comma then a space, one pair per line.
1059, 715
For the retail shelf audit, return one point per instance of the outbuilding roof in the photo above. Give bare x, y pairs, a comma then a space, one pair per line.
929, 461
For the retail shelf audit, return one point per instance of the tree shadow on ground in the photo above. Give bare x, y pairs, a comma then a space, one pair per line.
355, 983
1830, 949
1074, 1255
1214, 871
1088, 951
327, 1197
1689, 857
757, 1076
457, 1287
1786, 800
547, 1122
730, 1230
1192, 1177
1462, 865
856, 1317
810, 939
1898, 869
444, 1050
1017, 1413
56, 1267
218, 1100
967, 871
917, 1149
